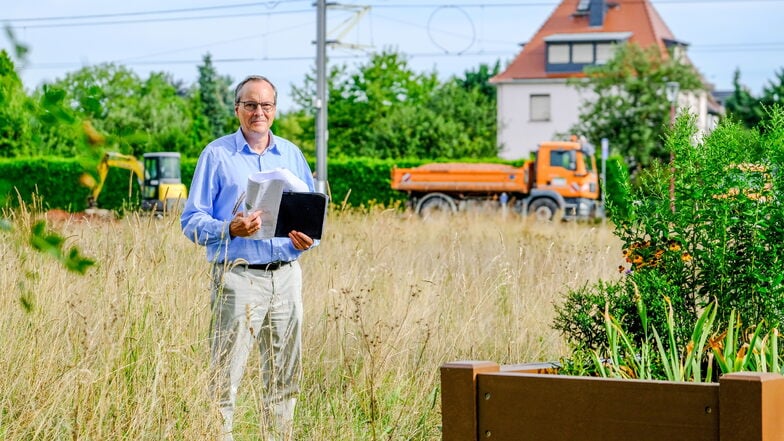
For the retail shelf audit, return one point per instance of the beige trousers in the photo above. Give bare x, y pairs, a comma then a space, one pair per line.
263, 309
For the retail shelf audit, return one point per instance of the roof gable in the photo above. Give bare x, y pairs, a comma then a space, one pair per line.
636, 18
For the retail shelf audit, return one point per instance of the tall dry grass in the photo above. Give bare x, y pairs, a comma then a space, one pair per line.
121, 352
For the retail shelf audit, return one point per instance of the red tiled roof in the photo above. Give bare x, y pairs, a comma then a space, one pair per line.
636, 16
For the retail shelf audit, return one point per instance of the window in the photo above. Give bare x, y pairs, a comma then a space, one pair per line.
565, 159
573, 52
540, 107
582, 53
557, 53
604, 51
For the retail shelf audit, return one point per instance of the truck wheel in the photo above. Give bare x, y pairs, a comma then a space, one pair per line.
434, 204
543, 209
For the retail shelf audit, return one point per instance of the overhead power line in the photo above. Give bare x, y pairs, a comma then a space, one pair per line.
773, 47
79, 20
158, 20
269, 4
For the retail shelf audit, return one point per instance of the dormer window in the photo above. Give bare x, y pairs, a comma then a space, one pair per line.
570, 53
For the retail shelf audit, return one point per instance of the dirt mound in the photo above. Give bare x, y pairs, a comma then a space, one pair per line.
90, 215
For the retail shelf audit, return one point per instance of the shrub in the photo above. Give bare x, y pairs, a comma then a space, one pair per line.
718, 235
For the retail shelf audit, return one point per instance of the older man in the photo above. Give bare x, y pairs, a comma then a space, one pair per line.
257, 284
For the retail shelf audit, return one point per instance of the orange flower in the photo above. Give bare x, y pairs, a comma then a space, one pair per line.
686, 257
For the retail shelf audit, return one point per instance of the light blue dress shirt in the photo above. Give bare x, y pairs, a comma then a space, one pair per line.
219, 181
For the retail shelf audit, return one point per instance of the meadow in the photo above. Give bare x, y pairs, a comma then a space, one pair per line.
121, 352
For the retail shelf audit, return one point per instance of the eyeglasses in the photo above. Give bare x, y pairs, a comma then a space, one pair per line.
250, 106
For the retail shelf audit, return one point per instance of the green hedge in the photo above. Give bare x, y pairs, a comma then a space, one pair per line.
357, 181
56, 183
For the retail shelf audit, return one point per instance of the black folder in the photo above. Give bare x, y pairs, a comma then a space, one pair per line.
302, 211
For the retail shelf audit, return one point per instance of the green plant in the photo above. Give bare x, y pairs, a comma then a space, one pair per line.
737, 349
733, 350
707, 226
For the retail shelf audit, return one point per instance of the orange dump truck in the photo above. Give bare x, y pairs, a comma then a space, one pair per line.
561, 181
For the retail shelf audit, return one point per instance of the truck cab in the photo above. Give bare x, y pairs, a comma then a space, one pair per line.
564, 178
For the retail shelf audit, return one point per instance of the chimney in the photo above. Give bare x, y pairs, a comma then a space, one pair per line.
598, 9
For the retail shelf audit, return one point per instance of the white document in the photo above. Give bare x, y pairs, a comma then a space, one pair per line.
265, 189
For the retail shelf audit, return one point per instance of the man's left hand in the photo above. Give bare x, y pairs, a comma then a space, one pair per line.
301, 241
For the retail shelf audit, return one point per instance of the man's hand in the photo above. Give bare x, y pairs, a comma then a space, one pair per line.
301, 241
245, 225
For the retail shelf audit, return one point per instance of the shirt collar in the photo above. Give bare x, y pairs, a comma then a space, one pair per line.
240, 143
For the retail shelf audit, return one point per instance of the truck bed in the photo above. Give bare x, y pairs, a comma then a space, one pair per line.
461, 177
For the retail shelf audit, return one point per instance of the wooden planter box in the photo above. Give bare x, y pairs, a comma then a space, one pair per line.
481, 400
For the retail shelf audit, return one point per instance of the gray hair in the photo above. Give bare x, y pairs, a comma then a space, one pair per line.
247, 80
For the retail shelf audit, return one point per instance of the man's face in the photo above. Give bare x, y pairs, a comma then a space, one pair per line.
257, 120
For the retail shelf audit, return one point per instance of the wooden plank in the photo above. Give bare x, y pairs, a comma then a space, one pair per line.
752, 405
458, 398
523, 407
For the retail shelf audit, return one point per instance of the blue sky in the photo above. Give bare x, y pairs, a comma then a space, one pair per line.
275, 38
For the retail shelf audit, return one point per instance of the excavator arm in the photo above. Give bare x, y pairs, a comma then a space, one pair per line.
114, 159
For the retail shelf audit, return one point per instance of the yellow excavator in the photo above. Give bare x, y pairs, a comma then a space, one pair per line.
158, 175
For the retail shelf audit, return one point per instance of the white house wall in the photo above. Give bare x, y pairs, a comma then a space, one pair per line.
518, 136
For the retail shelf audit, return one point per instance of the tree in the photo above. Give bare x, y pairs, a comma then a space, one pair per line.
364, 99
387, 110
480, 79
135, 115
627, 102
15, 132
215, 98
773, 94
742, 105
452, 122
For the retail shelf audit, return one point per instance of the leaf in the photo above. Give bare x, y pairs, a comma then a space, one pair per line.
51, 243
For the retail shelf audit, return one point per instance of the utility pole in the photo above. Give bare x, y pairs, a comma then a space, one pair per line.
321, 96
321, 100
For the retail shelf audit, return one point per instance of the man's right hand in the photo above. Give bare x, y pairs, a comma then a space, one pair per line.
244, 225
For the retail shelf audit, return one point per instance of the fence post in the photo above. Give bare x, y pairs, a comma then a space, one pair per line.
459, 419
751, 407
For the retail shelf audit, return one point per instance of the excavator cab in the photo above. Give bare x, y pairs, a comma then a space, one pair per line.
158, 176
163, 189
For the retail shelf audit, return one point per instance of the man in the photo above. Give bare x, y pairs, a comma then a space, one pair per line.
257, 284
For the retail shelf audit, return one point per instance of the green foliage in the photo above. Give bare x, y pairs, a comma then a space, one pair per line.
57, 183
52, 244
134, 115
754, 112
579, 318
20, 49
363, 181
659, 356
773, 92
356, 182
298, 127
741, 105
720, 237
215, 98
386, 110
631, 107
617, 189
15, 131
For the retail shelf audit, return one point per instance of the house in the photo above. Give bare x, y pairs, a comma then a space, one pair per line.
535, 103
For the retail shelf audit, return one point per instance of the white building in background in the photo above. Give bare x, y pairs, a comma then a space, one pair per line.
534, 101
